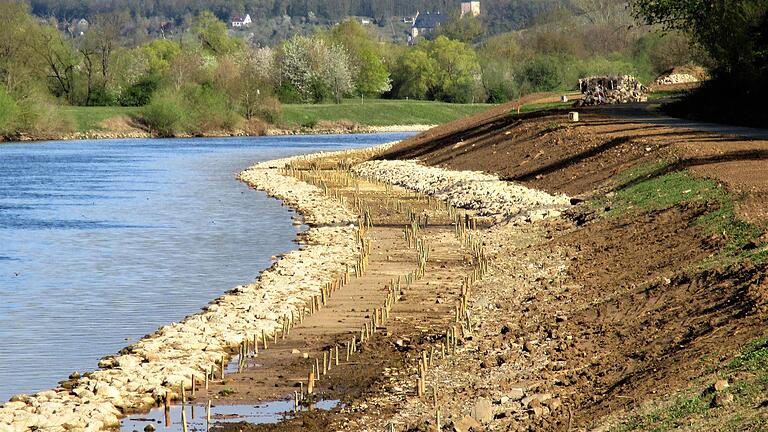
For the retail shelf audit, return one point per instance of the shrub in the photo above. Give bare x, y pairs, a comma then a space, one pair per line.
270, 110
165, 114
208, 109
543, 73
41, 116
102, 96
139, 93
9, 112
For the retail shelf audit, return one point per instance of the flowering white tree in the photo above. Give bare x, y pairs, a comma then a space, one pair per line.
339, 73
316, 69
257, 79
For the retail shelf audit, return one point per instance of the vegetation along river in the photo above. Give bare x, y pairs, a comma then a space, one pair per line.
102, 242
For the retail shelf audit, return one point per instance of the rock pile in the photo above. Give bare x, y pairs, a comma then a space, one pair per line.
682, 75
603, 90
142, 374
487, 194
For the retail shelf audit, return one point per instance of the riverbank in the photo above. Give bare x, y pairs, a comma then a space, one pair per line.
156, 368
640, 308
513, 315
138, 133
160, 365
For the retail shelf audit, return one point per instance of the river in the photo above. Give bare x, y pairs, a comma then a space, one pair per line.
102, 242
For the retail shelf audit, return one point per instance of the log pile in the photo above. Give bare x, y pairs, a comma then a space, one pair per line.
604, 90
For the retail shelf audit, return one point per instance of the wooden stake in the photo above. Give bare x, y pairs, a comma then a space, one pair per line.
183, 419
208, 416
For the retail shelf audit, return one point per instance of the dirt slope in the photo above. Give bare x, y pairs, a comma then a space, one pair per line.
666, 259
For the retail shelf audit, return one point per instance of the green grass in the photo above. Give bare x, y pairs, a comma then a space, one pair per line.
379, 112
647, 188
89, 118
748, 378
372, 112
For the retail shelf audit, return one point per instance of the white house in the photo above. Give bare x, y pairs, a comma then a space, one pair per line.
241, 21
470, 8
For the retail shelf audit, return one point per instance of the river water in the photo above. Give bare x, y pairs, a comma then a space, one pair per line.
102, 242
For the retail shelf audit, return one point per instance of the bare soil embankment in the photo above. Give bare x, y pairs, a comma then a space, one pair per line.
620, 315
664, 273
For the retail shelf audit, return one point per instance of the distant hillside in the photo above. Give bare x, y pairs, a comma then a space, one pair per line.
498, 15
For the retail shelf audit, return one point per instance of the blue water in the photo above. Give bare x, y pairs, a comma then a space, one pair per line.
264, 413
102, 242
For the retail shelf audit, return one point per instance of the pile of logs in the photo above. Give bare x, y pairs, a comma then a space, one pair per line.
601, 90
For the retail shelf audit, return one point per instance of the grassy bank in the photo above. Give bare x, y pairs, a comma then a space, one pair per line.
92, 118
376, 112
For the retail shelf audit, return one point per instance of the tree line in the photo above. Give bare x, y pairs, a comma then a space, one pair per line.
209, 78
501, 15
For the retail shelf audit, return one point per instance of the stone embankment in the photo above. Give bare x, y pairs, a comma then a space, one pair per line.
158, 366
161, 364
484, 193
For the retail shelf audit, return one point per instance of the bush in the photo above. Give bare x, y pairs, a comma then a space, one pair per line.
41, 116
288, 94
270, 110
9, 112
101, 96
138, 94
194, 109
165, 114
208, 110
543, 73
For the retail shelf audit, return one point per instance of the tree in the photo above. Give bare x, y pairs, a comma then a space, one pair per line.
213, 37
88, 49
371, 77
338, 72
314, 69
104, 37
733, 32
16, 63
414, 74
457, 70
257, 81
58, 57
467, 29
160, 53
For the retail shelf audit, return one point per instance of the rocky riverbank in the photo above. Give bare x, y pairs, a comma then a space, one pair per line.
485, 193
137, 133
161, 364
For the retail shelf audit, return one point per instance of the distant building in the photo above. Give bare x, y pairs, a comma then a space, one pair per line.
241, 21
426, 23
78, 27
470, 8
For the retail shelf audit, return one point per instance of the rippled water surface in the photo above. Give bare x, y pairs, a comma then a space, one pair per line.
101, 242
